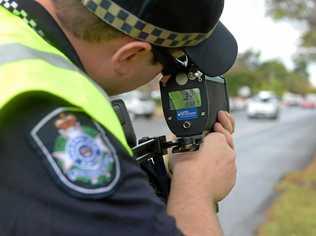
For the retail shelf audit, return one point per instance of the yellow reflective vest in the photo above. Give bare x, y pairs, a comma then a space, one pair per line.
29, 64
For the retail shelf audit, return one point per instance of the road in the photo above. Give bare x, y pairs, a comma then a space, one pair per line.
266, 151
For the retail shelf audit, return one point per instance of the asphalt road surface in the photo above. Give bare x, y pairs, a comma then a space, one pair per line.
266, 151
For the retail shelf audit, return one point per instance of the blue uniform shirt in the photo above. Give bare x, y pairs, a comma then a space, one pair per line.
33, 201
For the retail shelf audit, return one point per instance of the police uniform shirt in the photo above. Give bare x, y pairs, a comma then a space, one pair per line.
32, 201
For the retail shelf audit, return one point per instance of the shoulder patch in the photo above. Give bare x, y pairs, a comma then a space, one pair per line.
78, 153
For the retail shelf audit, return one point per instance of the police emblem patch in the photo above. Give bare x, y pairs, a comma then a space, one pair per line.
79, 154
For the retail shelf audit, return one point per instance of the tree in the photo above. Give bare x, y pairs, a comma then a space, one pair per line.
298, 10
249, 59
268, 75
272, 75
244, 72
301, 66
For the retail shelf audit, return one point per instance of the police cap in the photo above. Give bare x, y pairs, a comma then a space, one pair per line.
192, 25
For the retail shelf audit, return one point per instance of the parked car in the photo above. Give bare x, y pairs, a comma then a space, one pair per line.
263, 105
292, 100
138, 104
309, 102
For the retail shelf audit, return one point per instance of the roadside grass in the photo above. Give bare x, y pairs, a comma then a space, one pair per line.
293, 213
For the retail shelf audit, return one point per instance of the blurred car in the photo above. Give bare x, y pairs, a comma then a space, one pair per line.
263, 105
309, 102
308, 105
292, 100
138, 104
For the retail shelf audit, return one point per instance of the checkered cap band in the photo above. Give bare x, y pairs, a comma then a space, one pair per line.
14, 7
131, 25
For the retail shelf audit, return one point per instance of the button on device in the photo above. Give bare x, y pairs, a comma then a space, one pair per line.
187, 125
182, 79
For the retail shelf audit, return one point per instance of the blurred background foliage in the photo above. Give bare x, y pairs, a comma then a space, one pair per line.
268, 75
273, 74
301, 11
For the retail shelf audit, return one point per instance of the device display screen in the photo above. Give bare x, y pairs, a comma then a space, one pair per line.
184, 99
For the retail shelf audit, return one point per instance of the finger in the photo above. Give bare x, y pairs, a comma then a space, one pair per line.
225, 121
229, 138
232, 120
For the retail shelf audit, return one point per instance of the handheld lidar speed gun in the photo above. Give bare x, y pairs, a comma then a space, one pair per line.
190, 101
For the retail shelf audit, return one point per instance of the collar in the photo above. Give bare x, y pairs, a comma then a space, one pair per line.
37, 17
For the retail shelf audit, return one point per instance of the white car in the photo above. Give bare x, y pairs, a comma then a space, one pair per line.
264, 105
138, 104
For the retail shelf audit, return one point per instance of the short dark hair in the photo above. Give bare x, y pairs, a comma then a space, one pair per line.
82, 23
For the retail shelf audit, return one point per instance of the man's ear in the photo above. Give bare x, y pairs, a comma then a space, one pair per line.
124, 58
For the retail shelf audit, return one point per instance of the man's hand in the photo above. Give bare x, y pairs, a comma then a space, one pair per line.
226, 126
201, 179
211, 171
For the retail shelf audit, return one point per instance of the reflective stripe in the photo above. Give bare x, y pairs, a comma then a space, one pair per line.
28, 63
60, 82
18, 52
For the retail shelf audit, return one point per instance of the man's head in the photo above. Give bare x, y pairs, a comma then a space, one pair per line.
114, 39
116, 61
82, 23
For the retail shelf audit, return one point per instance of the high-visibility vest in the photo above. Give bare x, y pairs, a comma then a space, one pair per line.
29, 64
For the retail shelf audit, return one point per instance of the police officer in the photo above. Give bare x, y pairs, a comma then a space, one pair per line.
66, 167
